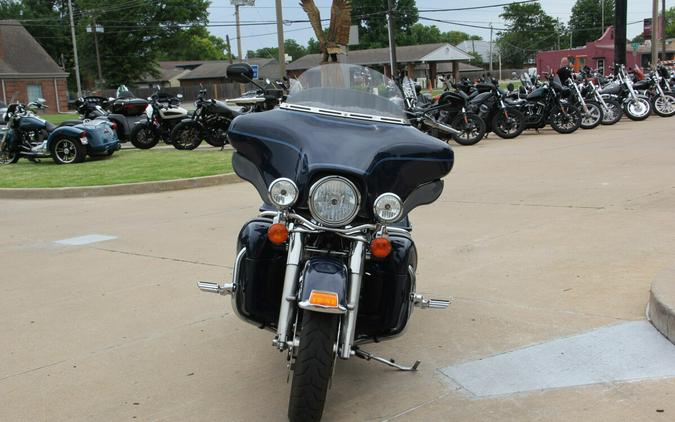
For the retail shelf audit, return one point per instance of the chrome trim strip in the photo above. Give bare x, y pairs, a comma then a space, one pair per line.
323, 309
345, 114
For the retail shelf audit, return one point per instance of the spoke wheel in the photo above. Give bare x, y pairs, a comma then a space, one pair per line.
565, 121
8, 157
664, 106
612, 113
471, 129
594, 116
638, 110
143, 137
186, 137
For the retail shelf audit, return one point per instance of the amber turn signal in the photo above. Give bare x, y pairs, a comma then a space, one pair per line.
380, 247
323, 298
277, 233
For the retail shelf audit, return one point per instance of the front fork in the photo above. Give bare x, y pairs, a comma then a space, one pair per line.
289, 299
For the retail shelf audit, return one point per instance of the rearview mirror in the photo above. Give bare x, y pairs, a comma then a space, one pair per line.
240, 72
510, 86
179, 96
514, 75
42, 101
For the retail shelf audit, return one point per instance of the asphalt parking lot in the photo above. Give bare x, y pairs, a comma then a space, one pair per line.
547, 240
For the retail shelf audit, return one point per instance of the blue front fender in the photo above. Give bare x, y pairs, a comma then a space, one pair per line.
325, 275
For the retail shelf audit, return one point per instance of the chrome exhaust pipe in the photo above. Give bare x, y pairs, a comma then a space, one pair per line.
208, 287
440, 126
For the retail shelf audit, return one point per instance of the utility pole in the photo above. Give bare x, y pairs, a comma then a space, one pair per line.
236, 13
77, 63
94, 29
602, 17
663, 16
655, 31
620, 33
228, 47
490, 48
392, 39
280, 39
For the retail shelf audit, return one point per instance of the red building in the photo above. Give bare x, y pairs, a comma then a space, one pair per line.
598, 54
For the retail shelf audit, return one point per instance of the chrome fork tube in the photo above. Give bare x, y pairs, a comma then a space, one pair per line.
356, 265
295, 246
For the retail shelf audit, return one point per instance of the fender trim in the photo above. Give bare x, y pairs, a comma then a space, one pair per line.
324, 274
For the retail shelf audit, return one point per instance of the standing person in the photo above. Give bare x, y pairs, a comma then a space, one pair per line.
565, 71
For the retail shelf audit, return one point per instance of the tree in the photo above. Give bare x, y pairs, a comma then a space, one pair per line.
529, 29
586, 20
476, 58
423, 34
192, 44
371, 17
670, 23
291, 47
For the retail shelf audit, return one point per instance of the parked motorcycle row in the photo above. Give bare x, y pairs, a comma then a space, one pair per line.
584, 100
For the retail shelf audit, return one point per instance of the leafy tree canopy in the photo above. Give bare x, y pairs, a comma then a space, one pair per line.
586, 20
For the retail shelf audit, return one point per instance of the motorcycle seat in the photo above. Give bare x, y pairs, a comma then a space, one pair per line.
70, 123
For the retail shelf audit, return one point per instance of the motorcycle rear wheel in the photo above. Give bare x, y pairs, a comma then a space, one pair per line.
472, 130
313, 366
613, 113
566, 121
143, 137
186, 136
664, 106
594, 116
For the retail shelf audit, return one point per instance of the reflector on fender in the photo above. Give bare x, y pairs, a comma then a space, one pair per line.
277, 233
320, 298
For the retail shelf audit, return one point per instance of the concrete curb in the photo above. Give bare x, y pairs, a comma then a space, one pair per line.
661, 309
122, 189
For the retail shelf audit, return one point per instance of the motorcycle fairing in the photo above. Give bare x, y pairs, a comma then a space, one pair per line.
382, 157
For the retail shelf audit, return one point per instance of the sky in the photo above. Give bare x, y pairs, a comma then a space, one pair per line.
221, 12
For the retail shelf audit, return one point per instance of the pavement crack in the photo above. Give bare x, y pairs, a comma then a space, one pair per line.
28, 371
166, 258
413, 408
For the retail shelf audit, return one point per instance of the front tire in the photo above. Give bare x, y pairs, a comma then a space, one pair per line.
143, 137
186, 136
471, 128
565, 121
613, 113
8, 157
664, 106
638, 110
594, 116
313, 366
508, 127
68, 151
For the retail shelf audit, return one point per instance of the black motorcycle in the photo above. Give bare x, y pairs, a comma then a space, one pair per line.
656, 87
547, 105
329, 263
490, 103
162, 117
209, 122
611, 109
591, 111
635, 105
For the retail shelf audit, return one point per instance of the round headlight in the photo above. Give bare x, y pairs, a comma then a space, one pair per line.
334, 201
283, 193
388, 208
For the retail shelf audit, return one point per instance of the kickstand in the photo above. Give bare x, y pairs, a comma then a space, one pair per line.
390, 362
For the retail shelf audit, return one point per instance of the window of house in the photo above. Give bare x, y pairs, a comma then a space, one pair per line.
601, 66
34, 92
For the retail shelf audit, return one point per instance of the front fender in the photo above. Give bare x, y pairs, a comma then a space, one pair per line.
324, 275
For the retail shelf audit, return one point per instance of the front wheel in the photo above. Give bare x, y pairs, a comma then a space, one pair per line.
471, 128
664, 105
186, 136
612, 113
313, 366
566, 119
637, 109
68, 151
8, 157
143, 137
594, 116
508, 124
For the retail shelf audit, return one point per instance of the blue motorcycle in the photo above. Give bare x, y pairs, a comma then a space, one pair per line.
27, 135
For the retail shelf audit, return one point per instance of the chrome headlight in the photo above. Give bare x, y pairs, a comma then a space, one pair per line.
388, 208
283, 193
334, 201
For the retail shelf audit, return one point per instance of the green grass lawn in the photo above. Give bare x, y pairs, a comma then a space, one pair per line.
125, 166
59, 117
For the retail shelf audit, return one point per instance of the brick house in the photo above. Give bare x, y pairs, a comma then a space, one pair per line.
27, 70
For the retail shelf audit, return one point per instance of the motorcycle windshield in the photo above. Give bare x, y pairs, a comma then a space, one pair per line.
348, 91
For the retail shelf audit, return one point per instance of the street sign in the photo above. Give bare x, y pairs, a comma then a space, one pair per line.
99, 28
255, 71
242, 2
635, 45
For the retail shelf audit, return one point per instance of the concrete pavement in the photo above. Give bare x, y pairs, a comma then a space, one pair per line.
537, 238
